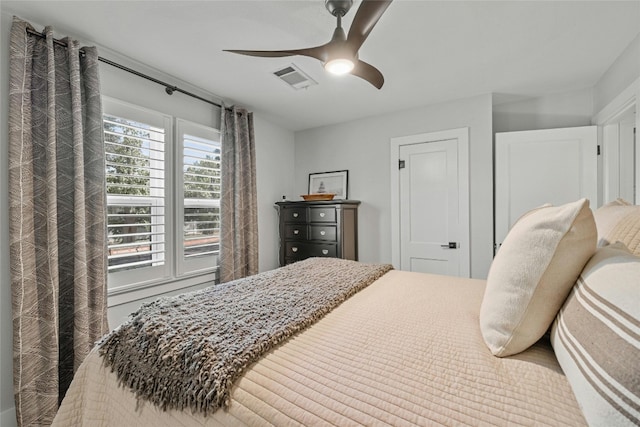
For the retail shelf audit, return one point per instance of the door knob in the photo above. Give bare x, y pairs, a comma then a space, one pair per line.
325, 251
294, 249
450, 245
322, 233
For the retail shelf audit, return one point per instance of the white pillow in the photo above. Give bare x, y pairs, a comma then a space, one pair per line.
596, 338
532, 274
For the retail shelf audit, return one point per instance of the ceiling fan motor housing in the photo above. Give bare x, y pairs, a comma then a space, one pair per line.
338, 7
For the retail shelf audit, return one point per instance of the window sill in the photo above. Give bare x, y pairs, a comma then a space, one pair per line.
126, 294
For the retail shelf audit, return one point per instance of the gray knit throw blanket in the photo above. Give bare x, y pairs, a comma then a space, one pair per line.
187, 351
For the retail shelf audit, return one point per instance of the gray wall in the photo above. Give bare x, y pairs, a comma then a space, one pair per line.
552, 111
622, 73
275, 168
363, 148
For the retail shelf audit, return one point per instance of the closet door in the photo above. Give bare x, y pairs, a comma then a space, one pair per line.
532, 168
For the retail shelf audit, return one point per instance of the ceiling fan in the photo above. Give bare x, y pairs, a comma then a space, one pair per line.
340, 55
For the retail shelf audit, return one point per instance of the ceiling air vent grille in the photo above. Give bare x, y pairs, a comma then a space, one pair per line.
294, 77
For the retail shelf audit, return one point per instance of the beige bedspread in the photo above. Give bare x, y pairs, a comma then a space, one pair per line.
407, 350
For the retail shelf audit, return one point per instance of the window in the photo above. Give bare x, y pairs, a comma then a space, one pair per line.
199, 189
163, 215
135, 185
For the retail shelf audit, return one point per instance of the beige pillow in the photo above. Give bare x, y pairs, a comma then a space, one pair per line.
619, 221
532, 274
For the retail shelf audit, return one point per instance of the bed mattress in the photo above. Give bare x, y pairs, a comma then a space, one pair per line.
407, 350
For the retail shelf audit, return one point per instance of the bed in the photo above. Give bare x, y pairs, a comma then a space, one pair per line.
406, 349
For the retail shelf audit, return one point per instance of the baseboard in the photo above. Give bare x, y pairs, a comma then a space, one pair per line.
8, 418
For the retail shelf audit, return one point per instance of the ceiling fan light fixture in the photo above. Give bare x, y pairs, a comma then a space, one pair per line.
339, 66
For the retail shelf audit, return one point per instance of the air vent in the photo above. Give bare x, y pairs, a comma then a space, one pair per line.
294, 77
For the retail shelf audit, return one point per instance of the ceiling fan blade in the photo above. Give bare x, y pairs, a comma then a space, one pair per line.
366, 18
318, 52
369, 73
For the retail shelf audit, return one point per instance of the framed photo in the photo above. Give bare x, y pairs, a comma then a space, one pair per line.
329, 182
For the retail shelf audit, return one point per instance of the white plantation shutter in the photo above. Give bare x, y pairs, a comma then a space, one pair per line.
199, 186
135, 188
137, 151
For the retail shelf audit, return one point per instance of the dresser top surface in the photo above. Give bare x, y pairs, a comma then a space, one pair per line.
318, 203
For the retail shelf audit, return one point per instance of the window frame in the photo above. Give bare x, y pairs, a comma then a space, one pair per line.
174, 274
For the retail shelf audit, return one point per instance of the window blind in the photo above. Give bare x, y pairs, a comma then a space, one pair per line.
202, 186
135, 171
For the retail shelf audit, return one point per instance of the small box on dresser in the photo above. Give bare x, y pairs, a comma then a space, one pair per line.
318, 229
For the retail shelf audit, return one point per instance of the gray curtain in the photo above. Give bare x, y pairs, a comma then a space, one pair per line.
238, 203
57, 229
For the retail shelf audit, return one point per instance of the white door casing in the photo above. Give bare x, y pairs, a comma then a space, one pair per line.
620, 148
628, 150
430, 202
532, 168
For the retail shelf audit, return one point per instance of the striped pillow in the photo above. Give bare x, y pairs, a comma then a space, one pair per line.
596, 338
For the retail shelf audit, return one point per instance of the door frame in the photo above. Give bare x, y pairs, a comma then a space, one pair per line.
607, 121
462, 136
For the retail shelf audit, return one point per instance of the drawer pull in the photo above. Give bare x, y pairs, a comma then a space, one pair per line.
296, 231
295, 214
322, 233
322, 214
325, 251
294, 249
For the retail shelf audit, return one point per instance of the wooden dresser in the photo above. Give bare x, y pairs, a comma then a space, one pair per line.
318, 229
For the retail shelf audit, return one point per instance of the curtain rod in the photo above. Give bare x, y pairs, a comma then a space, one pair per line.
170, 89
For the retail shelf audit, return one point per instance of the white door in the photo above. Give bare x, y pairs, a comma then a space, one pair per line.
532, 168
431, 203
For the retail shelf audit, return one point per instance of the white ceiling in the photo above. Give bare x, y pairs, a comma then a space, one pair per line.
428, 51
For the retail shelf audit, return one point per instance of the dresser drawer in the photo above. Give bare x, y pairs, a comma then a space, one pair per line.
322, 249
322, 214
295, 231
295, 214
296, 250
323, 232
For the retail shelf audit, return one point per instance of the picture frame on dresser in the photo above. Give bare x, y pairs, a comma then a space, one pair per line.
335, 182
